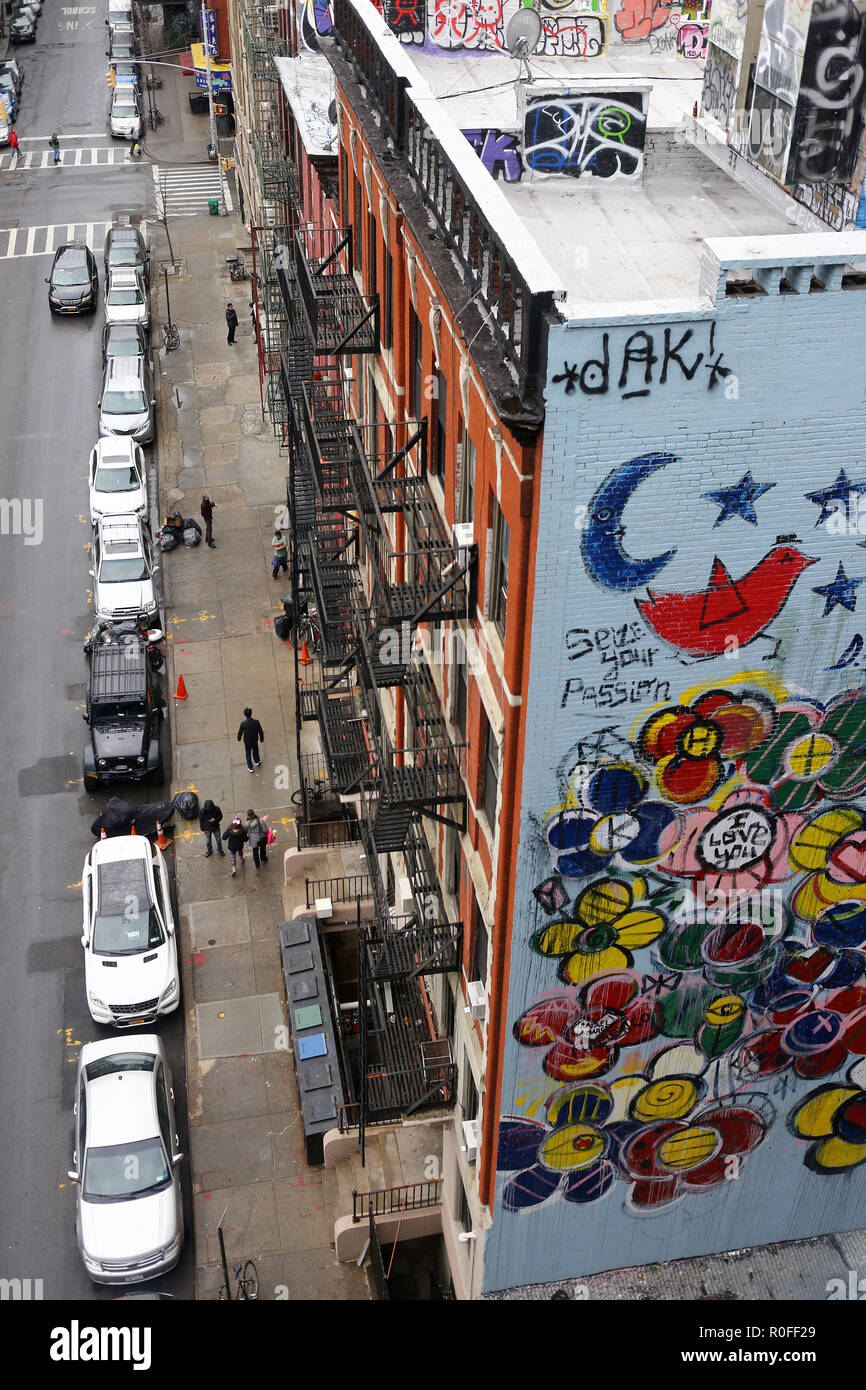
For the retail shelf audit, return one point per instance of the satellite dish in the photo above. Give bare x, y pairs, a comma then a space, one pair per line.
521, 36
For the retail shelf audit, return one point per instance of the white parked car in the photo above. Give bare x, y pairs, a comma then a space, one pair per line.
128, 933
126, 298
123, 569
129, 1218
117, 479
124, 115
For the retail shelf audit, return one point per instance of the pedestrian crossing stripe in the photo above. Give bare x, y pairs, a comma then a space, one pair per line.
186, 188
44, 241
85, 157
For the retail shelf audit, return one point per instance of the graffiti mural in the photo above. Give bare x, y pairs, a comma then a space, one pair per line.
499, 152
573, 133
720, 85
686, 1056
829, 121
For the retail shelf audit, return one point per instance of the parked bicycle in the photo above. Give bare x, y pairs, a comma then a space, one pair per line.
156, 117
170, 337
317, 791
307, 630
246, 1283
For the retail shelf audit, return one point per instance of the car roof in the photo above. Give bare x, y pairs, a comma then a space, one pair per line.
74, 251
124, 369
123, 236
119, 528
122, 1108
126, 276
123, 847
115, 448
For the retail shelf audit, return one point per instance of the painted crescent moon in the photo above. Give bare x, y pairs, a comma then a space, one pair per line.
601, 546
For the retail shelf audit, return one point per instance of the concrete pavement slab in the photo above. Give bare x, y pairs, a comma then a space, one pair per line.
220, 922
205, 762
202, 717
303, 1224
232, 1087
317, 1274
221, 1151
273, 1021
199, 655
229, 1027
251, 1229
266, 958
224, 970
289, 1154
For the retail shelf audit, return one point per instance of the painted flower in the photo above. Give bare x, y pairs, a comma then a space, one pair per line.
810, 1032
691, 745
651, 1130
833, 1117
812, 753
831, 849
740, 846
607, 921
608, 819
583, 1031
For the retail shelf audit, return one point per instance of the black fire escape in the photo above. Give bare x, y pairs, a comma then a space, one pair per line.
373, 558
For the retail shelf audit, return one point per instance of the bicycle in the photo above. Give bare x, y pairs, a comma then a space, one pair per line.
156, 117
170, 337
246, 1283
307, 630
317, 792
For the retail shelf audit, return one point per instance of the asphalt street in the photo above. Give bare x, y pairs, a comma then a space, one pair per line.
50, 378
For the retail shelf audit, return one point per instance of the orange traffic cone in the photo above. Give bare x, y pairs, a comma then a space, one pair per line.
162, 840
180, 693
305, 658
102, 834
132, 830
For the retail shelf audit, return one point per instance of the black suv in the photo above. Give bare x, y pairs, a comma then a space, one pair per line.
74, 280
125, 714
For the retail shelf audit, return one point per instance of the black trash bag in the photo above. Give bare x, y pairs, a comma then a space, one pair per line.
283, 627
166, 539
191, 532
119, 817
187, 805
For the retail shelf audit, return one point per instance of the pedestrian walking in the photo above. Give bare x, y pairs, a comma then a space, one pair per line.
209, 818
281, 554
251, 732
54, 142
232, 321
207, 507
14, 146
135, 150
257, 835
235, 837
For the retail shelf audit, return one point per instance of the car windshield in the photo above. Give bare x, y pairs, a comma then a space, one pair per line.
125, 255
71, 274
110, 711
114, 478
123, 402
123, 571
126, 920
116, 296
124, 110
120, 1172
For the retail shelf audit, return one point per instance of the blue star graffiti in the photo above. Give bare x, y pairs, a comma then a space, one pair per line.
738, 500
840, 592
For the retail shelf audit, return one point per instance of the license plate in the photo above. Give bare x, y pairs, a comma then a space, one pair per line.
133, 1022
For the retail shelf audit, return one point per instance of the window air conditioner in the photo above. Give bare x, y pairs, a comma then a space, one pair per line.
461, 534
471, 1135
476, 1000
324, 908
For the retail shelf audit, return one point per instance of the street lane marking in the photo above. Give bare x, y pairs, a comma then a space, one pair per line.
17, 242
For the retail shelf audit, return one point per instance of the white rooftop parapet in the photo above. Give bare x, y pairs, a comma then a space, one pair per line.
797, 258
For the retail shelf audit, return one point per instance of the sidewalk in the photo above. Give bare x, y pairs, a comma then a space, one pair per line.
246, 1139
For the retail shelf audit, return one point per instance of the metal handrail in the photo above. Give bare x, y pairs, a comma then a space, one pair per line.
412, 1196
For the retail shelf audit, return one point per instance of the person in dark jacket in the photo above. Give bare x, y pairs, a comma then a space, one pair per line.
257, 834
232, 321
207, 507
251, 732
209, 818
235, 837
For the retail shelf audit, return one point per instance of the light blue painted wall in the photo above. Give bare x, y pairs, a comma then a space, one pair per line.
795, 417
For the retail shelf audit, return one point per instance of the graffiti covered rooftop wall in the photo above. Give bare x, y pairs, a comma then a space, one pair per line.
686, 1067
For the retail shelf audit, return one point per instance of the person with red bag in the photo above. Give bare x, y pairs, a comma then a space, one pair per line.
257, 835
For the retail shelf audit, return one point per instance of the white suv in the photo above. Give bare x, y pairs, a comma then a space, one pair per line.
123, 569
126, 297
128, 935
117, 479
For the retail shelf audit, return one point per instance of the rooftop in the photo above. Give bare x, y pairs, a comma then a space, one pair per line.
599, 235
308, 82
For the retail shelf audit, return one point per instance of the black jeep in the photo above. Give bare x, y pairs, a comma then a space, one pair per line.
125, 714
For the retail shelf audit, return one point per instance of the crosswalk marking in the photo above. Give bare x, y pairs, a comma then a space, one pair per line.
185, 188
84, 158
16, 242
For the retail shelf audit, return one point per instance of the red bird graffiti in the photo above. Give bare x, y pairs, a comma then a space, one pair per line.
702, 624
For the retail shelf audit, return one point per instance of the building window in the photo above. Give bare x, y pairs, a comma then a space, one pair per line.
449, 1012
490, 773
456, 866
499, 567
372, 248
480, 946
465, 489
387, 315
461, 689
416, 367
440, 426
344, 185
470, 1092
358, 244
464, 1215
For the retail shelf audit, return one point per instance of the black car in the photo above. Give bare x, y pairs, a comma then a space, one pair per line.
123, 340
22, 30
124, 246
73, 284
125, 712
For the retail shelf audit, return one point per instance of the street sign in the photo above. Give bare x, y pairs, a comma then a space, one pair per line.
209, 32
